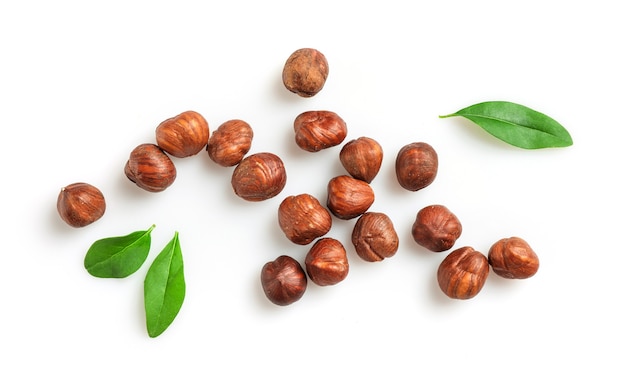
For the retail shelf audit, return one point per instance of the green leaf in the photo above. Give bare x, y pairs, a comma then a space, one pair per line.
517, 125
164, 288
118, 257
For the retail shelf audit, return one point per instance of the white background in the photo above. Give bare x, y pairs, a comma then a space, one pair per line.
83, 83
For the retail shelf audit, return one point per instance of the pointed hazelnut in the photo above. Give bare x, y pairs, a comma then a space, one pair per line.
80, 204
362, 158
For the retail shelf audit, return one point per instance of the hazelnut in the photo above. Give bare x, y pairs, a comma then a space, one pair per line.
80, 204
317, 130
462, 274
326, 262
258, 177
362, 158
305, 72
284, 281
303, 219
183, 135
230, 142
513, 258
374, 237
416, 166
150, 168
436, 228
348, 197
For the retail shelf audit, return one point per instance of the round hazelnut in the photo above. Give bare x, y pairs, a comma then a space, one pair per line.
362, 158
283, 280
326, 262
303, 219
416, 166
305, 72
150, 168
230, 142
462, 274
436, 228
317, 130
183, 135
374, 237
80, 204
348, 197
259, 176
513, 258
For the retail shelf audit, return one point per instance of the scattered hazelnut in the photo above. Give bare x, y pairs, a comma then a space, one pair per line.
317, 130
80, 204
374, 237
183, 135
462, 274
258, 177
150, 168
362, 158
305, 72
303, 219
416, 166
348, 197
513, 258
326, 262
284, 281
436, 228
230, 142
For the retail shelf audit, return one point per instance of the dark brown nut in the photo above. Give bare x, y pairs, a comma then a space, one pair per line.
230, 142
326, 262
317, 130
362, 158
436, 228
283, 280
303, 219
305, 72
374, 237
150, 168
416, 166
462, 274
80, 204
348, 197
513, 258
183, 135
259, 176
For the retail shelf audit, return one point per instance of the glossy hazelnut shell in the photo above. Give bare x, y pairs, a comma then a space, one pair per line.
362, 158
348, 197
513, 258
462, 274
259, 177
436, 228
284, 281
416, 166
326, 262
150, 168
80, 204
302, 218
374, 237
230, 142
183, 135
305, 72
317, 130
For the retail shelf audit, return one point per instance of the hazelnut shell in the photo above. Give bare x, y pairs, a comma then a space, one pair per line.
462, 274
374, 237
348, 197
150, 168
80, 204
318, 130
326, 262
362, 158
183, 135
283, 280
259, 177
513, 258
416, 166
302, 218
305, 72
230, 142
436, 228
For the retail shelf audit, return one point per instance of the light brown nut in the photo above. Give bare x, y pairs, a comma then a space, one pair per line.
374, 237
305, 72
283, 280
230, 142
513, 258
259, 176
317, 130
436, 228
462, 274
183, 135
150, 168
416, 166
348, 197
362, 158
326, 262
303, 219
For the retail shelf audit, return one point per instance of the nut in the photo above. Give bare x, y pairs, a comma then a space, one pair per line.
230, 142
362, 158
258, 177
150, 168
183, 135
303, 219
284, 281
513, 258
416, 166
305, 72
462, 274
317, 130
326, 262
348, 197
374, 237
436, 228
80, 204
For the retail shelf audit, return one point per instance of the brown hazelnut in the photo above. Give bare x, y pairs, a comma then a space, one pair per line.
303, 219
436, 228
259, 176
374, 237
362, 158
305, 72
326, 262
80, 204
416, 166
317, 130
150, 168
348, 197
183, 135
230, 142
462, 274
283, 280
513, 258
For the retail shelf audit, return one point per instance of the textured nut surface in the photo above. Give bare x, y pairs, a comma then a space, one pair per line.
436, 228
80, 204
283, 280
230, 142
348, 197
317, 130
362, 158
513, 258
462, 274
326, 262
183, 135
416, 166
374, 237
302, 218
150, 168
259, 176
305, 72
